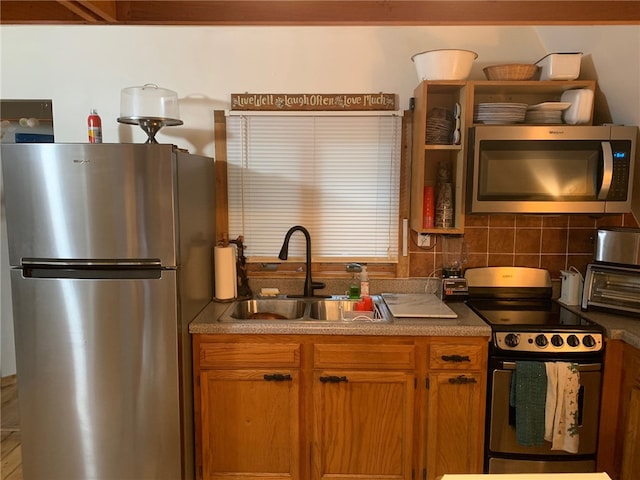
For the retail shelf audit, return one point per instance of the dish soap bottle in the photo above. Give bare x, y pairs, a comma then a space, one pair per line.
354, 287
364, 282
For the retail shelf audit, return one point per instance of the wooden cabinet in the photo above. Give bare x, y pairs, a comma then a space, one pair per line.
619, 430
530, 92
247, 410
631, 446
434, 160
338, 407
363, 399
456, 407
630, 415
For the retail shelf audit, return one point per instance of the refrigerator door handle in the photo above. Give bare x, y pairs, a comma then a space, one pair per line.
92, 269
91, 263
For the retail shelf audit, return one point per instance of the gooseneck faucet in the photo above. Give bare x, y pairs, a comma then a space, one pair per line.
309, 284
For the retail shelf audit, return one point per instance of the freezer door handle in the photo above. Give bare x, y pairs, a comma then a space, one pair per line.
91, 263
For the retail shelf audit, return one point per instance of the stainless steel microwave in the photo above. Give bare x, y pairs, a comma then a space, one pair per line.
550, 169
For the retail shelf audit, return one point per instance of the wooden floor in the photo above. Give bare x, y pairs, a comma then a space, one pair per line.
10, 453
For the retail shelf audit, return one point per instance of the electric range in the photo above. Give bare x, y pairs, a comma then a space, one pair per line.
529, 326
517, 304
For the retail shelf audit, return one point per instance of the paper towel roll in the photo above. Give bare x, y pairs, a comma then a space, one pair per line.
226, 286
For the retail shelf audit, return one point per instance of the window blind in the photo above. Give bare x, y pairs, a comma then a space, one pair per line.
338, 176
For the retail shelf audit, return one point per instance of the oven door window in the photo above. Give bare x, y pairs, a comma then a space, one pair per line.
502, 425
539, 170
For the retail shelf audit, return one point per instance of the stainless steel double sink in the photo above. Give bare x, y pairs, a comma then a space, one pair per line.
308, 309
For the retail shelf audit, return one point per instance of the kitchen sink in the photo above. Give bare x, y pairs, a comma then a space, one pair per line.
268, 309
339, 310
305, 310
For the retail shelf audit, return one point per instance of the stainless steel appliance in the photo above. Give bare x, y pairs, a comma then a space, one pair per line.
528, 326
110, 252
612, 281
550, 169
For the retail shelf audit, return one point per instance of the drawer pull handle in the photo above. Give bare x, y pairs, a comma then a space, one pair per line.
456, 358
277, 377
462, 380
333, 379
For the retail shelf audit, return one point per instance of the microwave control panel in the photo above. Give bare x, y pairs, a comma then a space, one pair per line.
620, 178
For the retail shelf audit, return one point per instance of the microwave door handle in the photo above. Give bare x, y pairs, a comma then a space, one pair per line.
607, 171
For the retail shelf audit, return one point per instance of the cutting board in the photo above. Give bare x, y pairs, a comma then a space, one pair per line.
420, 305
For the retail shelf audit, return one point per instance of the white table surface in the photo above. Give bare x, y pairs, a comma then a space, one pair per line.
528, 476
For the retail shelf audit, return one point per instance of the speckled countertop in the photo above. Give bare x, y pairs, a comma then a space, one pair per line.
618, 326
467, 324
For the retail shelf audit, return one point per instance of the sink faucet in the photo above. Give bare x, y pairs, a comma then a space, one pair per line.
309, 284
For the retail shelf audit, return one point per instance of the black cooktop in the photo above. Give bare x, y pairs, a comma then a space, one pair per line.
529, 315
517, 303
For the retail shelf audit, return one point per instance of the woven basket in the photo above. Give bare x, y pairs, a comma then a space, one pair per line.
511, 71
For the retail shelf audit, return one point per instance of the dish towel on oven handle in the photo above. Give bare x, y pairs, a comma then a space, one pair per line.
527, 396
561, 410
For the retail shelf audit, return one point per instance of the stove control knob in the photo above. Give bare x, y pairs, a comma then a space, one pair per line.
573, 341
557, 341
588, 341
541, 341
511, 340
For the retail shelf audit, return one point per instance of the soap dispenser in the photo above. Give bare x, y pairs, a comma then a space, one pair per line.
354, 287
364, 282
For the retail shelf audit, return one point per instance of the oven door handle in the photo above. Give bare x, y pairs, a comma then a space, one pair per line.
582, 367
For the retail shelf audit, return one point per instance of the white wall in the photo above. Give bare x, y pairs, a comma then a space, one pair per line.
612, 57
83, 67
86, 67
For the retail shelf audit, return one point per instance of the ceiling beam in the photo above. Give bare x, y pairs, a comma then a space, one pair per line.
389, 12
324, 12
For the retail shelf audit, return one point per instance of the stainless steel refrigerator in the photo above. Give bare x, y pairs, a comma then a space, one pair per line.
110, 253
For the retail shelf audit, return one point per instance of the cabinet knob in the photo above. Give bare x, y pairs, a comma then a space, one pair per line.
333, 379
277, 377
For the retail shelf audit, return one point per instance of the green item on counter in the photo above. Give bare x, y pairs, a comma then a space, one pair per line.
354, 287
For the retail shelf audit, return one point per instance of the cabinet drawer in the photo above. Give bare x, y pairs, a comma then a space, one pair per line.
457, 357
385, 357
247, 355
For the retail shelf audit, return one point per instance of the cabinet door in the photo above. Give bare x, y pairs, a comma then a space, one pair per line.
250, 424
363, 425
455, 424
631, 448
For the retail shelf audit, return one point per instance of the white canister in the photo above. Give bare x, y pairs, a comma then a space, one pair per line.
572, 284
581, 108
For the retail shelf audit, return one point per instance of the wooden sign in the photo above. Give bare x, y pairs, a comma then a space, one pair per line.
313, 101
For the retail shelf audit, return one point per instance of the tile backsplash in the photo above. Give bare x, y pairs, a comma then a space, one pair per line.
553, 242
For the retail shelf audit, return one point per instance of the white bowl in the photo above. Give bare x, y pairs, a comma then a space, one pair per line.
560, 66
444, 64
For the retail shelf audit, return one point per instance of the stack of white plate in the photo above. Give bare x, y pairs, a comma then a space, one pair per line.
546, 113
500, 113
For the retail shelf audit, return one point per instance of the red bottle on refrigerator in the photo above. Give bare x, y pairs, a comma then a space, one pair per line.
95, 127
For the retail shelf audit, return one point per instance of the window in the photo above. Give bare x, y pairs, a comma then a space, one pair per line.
336, 175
